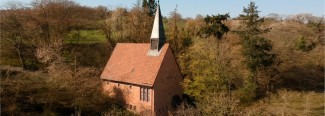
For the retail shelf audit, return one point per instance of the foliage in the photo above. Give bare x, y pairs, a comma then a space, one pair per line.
43, 25
179, 39
205, 75
202, 77
217, 104
124, 26
58, 92
255, 48
63, 40
15, 33
303, 46
117, 111
151, 6
247, 92
316, 23
202, 68
215, 26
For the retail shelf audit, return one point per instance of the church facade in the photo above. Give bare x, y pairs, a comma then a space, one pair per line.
145, 75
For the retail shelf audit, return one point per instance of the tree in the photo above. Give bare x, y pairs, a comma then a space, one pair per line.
275, 17
120, 24
106, 27
214, 25
144, 3
193, 26
13, 29
140, 24
202, 78
255, 49
303, 45
151, 6
177, 37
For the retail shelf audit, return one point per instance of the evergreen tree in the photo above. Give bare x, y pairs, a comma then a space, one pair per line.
214, 25
150, 6
256, 49
144, 4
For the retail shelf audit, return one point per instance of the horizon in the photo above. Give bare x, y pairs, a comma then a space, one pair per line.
233, 7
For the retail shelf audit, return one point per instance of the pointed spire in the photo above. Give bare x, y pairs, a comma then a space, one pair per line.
158, 27
158, 38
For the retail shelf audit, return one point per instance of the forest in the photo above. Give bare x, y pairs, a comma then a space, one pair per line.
53, 52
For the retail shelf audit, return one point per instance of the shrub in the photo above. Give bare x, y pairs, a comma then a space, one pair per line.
303, 45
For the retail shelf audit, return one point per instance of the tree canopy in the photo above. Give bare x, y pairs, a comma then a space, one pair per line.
214, 25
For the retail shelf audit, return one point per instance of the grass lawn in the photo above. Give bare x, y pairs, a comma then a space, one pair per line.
85, 37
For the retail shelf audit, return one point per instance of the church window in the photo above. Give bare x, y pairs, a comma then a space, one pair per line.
148, 95
141, 93
144, 94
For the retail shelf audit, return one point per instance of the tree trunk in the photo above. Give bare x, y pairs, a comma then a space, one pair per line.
20, 56
108, 37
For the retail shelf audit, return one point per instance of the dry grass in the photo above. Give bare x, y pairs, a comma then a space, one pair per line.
288, 103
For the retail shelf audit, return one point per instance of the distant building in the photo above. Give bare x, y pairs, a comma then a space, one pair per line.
146, 75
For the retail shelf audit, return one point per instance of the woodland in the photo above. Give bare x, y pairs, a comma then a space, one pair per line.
53, 52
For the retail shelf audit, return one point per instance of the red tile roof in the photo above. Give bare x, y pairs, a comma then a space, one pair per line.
129, 63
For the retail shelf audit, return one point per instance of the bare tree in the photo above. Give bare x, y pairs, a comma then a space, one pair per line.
13, 28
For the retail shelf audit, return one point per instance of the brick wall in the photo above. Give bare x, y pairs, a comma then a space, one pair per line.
131, 96
167, 84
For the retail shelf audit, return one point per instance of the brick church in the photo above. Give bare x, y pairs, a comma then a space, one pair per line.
146, 74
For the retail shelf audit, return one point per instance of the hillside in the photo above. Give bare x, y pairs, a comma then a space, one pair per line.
52, 54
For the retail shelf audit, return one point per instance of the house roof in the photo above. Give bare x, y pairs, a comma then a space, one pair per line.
129, 63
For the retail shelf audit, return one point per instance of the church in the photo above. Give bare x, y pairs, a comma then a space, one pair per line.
146, 74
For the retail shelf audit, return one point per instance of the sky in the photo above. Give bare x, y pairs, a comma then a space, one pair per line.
190, 8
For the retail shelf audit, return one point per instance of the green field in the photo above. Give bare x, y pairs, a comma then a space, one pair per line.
85, 37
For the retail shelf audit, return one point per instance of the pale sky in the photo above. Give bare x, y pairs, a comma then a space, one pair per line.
190, 8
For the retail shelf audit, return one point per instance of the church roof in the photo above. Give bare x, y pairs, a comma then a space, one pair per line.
129, 63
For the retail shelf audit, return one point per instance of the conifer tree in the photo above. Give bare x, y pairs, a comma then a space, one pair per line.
144, 3
255, 49
150, 6
214, 25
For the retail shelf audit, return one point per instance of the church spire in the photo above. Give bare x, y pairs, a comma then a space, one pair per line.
157, 39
